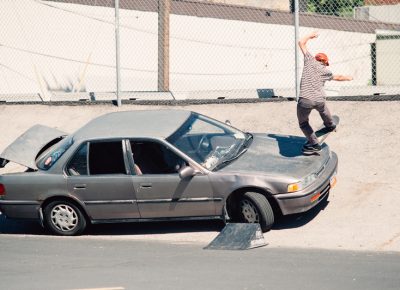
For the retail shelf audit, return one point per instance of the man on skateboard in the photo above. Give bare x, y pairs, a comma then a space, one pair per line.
312, 94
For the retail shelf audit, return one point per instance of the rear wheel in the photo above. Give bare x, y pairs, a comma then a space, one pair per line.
64, 218
255, 208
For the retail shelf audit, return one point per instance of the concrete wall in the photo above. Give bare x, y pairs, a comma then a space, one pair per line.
271, 4
388, 60
384, 13
56, 47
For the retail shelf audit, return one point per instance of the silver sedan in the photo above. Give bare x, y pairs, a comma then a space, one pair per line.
160, 165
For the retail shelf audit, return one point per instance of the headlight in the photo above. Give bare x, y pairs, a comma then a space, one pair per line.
302, 184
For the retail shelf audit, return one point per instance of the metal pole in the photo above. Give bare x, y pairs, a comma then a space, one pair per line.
296, 47
164, 9
117, 65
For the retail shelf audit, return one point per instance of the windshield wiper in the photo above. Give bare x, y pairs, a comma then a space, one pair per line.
242, 149
246, 142
226, 162
249, 137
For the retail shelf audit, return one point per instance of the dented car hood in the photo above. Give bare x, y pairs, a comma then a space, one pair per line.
26, 147
278, 155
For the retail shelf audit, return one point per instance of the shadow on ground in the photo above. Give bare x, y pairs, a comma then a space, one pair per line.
299, 220
20, 226
149, 228
32, 227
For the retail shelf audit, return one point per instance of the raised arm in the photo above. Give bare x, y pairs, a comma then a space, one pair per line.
303, 41
342, 78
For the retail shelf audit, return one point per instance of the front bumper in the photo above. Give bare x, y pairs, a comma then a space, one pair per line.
301, 201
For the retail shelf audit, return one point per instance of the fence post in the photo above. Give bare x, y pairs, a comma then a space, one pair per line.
117, 52
296, 47
164, 8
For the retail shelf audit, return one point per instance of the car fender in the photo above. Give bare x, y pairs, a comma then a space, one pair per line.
70, 197
225, 185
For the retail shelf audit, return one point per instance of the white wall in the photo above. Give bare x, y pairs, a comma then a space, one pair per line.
384, 13
59, 47
270, 4
388, 61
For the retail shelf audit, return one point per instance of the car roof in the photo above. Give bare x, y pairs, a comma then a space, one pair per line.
138, 124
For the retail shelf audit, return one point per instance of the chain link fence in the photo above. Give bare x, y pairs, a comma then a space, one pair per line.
362, 39
192, 49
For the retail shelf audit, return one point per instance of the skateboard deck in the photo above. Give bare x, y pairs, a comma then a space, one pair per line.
322, 133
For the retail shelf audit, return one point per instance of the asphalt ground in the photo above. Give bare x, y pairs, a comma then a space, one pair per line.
48, 262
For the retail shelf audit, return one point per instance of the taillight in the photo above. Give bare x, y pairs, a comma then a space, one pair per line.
2, 189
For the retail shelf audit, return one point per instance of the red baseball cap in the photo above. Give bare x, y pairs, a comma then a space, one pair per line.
322, 57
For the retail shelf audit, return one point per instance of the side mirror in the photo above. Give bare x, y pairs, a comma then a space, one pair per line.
228, 122
187, 172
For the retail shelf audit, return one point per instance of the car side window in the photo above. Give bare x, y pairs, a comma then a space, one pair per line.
54, 152
155, 158
106, 158
78, 163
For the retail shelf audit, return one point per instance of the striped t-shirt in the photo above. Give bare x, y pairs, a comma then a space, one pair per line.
314, 76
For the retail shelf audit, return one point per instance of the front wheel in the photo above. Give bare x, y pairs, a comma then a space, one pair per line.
255, 208
64, 218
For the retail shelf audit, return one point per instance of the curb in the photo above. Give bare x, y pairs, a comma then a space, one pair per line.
372, 98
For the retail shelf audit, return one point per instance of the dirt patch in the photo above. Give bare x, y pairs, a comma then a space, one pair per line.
362, 212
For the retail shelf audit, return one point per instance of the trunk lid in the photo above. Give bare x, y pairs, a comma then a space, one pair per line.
27, 146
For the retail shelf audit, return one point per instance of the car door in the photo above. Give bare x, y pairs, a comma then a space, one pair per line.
160, 192
99, 176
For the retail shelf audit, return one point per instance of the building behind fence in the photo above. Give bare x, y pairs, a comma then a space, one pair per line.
59, 50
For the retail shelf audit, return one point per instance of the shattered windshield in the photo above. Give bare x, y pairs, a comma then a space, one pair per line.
52, 154
207, 141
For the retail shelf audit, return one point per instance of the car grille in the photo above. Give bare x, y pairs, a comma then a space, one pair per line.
324, 191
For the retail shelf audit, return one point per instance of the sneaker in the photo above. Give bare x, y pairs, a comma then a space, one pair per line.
312, 148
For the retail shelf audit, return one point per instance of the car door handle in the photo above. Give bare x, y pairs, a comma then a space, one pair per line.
80, 186
146, 185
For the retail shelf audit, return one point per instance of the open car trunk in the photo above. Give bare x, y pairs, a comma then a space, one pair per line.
26, 147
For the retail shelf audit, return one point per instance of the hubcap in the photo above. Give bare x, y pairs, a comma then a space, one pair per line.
249, 211
64, 217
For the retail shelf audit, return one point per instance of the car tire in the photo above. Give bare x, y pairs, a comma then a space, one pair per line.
64, 218
255, 208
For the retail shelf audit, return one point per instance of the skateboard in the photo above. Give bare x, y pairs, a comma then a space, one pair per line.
322, 133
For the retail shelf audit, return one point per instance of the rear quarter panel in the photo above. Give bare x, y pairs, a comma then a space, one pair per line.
26, 191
